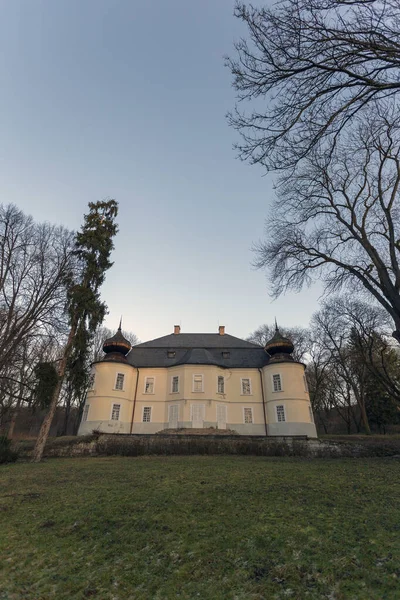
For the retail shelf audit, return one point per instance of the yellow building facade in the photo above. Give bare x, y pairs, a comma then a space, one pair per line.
198, 381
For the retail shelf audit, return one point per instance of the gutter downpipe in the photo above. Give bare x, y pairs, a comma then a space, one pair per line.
134, 401
263, 401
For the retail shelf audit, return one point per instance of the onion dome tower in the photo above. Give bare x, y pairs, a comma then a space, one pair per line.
279, 348
116, 347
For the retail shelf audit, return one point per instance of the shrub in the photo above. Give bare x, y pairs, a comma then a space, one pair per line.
6, 453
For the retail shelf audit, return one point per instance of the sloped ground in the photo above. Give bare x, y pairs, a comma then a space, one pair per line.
215, 528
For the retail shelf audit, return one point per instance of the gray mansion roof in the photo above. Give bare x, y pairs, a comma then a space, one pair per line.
198, 349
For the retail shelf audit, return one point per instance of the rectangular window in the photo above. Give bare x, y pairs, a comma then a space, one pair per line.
280, 413
248, 415
149, 385
147, 414
225, 354
221, 384
171, 353
246, 387
305, 383
277, 383
119, 382
311, 414
91, 381
197, 383
116, 408
175, 384
85, 412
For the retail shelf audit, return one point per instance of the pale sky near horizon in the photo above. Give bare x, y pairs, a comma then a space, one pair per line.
127, 100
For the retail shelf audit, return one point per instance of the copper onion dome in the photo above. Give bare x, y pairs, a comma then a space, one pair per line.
117, 343
279, 344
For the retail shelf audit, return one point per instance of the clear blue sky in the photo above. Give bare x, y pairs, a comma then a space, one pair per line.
127, 100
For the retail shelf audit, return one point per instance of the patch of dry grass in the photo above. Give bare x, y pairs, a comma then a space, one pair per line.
215, 528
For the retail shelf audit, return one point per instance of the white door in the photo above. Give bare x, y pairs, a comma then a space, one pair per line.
173, 416
221, 416
198, 412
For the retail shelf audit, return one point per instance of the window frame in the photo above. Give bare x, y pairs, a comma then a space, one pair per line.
223, 384
150, 409
145, 384
122, 389
278, 420
248, 408
193, 383
274, 391
172, 384
250, 386
305, 383
112, 410
311, 413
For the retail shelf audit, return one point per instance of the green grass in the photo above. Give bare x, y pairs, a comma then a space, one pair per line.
199, 527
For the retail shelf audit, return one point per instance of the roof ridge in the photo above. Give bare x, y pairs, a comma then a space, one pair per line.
181, 338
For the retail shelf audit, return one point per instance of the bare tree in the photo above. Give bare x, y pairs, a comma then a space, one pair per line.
19, 380
340, 219
348, 384
323, 78
35, 260
309, 67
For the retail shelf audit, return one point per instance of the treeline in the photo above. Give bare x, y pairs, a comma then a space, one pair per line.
352, 365
49, 301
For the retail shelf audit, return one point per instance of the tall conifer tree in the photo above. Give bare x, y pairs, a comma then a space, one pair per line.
93, 247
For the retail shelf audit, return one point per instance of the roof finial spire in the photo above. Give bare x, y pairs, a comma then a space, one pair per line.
276, 325
120, 324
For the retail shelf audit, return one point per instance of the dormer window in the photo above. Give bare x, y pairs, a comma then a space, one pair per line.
171, 353
226, 354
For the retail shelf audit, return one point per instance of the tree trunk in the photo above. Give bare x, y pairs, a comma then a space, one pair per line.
364, 418
14, 416
15, 412
45, 428
67, 412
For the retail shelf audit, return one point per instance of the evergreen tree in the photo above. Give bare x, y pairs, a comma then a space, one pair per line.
86, 311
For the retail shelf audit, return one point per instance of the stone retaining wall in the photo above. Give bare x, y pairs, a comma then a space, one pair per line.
167, 444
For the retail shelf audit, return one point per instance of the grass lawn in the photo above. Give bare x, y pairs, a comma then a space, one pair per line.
213, 528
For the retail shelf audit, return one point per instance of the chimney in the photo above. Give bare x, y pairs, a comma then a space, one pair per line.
177, 329
221, 330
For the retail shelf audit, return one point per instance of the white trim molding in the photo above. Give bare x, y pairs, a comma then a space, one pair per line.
223, 384
148, 410
279, 383
115, 411
280, 413
242, 392
248, 415
119, 383
177, 378
200, 379
146, 382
